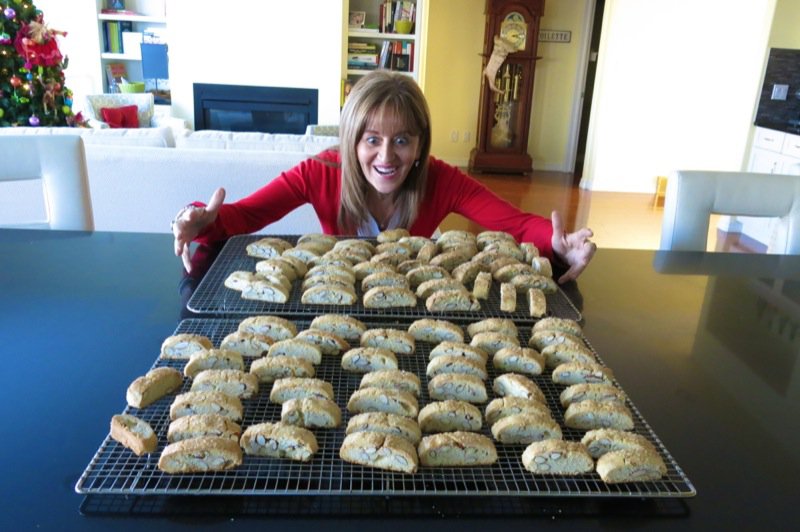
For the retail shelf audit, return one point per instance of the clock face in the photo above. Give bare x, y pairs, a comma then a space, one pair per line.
514, 29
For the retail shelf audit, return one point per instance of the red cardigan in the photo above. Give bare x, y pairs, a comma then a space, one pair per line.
317, 183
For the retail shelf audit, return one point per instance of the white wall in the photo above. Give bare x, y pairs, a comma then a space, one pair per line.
676, 88
275, 43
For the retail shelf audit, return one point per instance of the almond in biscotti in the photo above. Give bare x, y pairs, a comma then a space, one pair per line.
232, 382
457, 449
426, 288
384, 423
502, 325
338, 270
395, 340
541, 339
508, 272
468, 271
453, 257
267, 247
306, 254
154, 385
492, 342
274, 265
554, 323
331, 279
367, 268
428, 272
557, 457
292, 347
239, 279
190, 403
279, 440
518, 359
263, 290
383, 279
274, 327
449, 415
508, 248
557, 354
327, 241
580, 372
311, 412
200, 425
366, 359
524, 282
270, 369
487, 237
601, 392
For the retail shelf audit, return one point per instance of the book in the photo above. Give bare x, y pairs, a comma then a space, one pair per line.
115, 74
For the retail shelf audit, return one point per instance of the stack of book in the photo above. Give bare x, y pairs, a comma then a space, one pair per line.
112, 33
362, 56
397, 55
393, 10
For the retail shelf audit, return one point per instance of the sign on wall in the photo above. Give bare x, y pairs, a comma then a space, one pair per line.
555, 36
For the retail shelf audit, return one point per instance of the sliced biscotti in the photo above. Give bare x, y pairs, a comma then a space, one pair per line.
492, 341
327, 342
600, 392
384, 278
582, 372
525, 428
213, 359
364, 269
389, 297
396, 341
238, 280
326, 241
456, 449
347, 327
508, 406
441, 365
267, 247
516, 385
508, 297
382, 400
181, 346
329, 279
602, 441
152, 386
589, 415
269, 369
447, 300
448, 348
134, 433
189, 403
630, 465
537, 303
392, 379
311, 412
427, 288
332, 270
482, 285
501, 325
274, 327
278, 440
458, 386
557, 354
329, 294
541, 339
200, 455
392, 235
281, 265
468, 271
299, 387
292, 347
557, 457
384, 423
435, 331
382, 451
523, 283
427, 272
516, 359
366, 359
558, 324
233, 382
199, 425
265, 290
449, 415
246, 343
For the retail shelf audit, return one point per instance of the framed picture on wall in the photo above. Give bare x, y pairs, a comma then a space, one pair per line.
357, 18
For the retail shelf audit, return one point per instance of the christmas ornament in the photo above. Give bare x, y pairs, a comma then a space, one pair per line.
34, 121
2, 112
9, 13
15, 81
5, 38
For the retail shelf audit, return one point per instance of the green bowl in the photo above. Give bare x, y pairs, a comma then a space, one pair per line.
136, 86
403, 26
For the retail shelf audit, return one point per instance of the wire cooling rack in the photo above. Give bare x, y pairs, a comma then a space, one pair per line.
212, 297
116, 470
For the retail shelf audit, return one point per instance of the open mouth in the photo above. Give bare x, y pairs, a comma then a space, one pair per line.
385, 171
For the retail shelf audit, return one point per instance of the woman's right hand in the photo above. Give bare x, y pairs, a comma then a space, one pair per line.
190, 221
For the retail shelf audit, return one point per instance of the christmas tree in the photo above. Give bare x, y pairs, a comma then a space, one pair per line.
32, 91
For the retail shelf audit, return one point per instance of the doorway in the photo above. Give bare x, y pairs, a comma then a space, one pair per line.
588, 89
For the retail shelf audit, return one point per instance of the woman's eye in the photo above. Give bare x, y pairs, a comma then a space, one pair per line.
372, 140
401, 141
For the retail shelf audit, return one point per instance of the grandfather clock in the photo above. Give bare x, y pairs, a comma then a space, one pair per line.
509, 61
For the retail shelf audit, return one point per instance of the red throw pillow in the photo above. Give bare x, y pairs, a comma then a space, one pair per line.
125, 116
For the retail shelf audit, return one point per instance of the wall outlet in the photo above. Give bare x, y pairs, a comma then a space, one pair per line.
454, 135
779, 91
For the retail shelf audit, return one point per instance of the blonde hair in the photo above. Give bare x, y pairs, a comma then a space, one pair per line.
382, 93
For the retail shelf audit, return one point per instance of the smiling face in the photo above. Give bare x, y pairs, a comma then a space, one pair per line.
387, 152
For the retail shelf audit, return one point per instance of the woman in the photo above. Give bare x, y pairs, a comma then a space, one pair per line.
381, 177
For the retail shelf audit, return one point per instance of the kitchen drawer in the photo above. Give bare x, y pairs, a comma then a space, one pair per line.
769, 139
791, 145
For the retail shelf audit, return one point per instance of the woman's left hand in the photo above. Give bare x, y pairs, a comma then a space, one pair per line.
575, 249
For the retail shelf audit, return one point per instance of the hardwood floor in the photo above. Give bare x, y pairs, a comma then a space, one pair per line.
618, 220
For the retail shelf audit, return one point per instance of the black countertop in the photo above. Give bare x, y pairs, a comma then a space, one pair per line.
705, 345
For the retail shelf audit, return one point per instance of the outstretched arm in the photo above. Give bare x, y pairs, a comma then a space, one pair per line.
190, 222
575, 249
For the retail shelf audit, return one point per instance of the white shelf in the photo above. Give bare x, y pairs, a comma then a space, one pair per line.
120, 57
355, 34
132, 18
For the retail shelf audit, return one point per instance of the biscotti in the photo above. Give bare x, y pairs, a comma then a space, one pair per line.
200, 455
482, 285
331, 270
246, 343
213, 359
525, 428
459, 349
456, 364
292, 347
519, 360
327, 342
365, 359
199, 425
557, 457
152, 386
630, 465
389, 297
446, 416
396, 341
541, 339
602, 441
329, 294
272, 326
233, 382
435, 331
468, 271
384, 423
516, 385
555, 355
134, 433
382, 451
419, 275
447, 300
558, 324
278, 440
381, 400
501, 325
299, 387
385, 278
588, 415
267, 247
508, 297
311, 412
600, 392
347, 327
537, 303
392, 379
426, 288
456, 449
181, 346
239, 279
492, 341
190, 403
457, 386
523, 283
269, 369
264, 290
392, 235
582, 372
508, 406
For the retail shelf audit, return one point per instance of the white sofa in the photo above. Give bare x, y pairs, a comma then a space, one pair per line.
140, 178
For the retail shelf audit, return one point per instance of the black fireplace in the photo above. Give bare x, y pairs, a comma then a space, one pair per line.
247, 108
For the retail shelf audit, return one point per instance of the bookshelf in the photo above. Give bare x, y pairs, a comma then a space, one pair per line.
379, 37
121, 33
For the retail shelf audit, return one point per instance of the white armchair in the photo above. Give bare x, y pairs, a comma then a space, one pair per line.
145, 103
